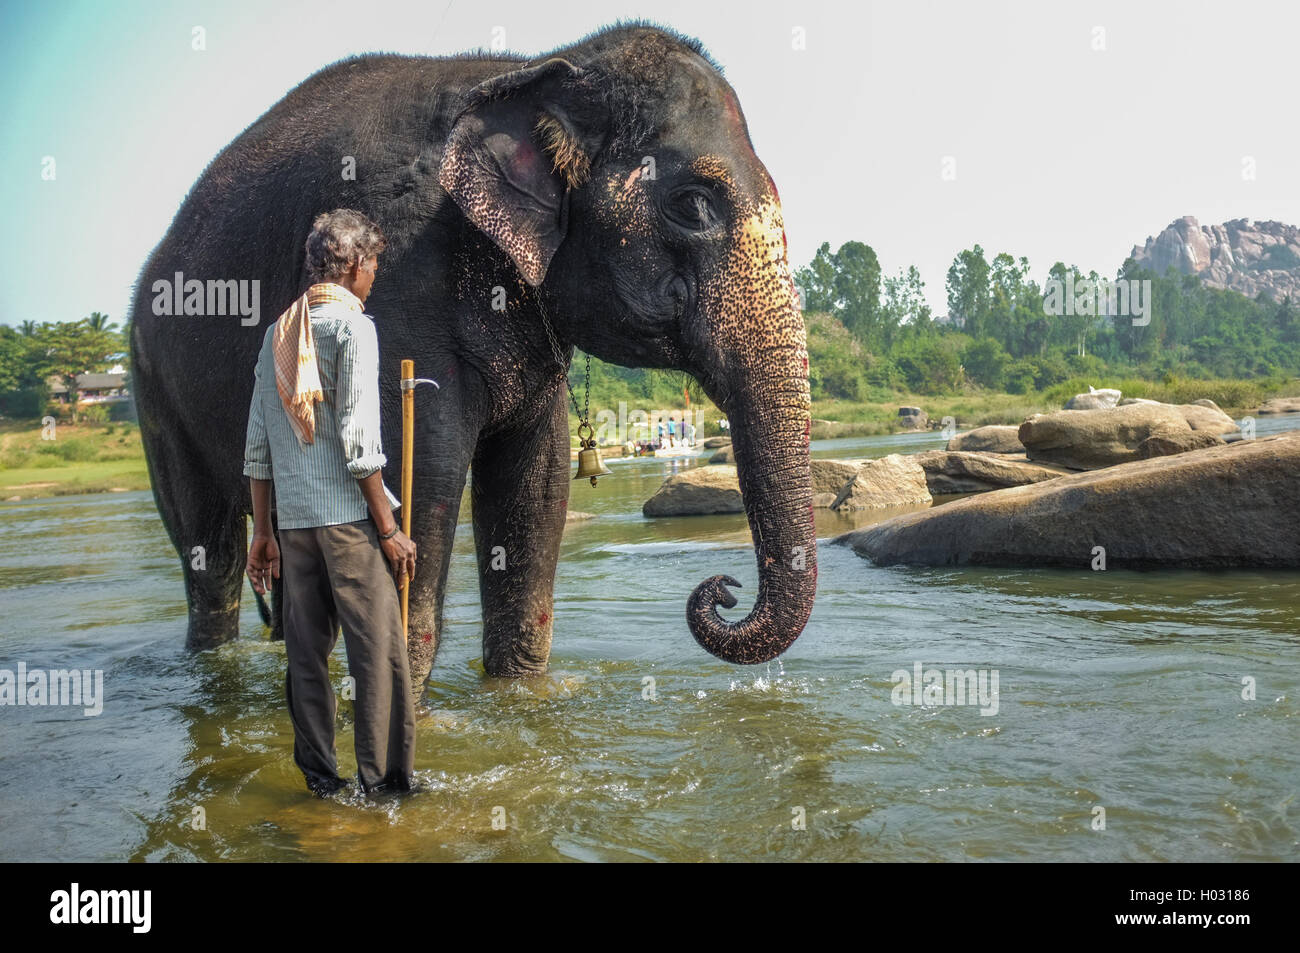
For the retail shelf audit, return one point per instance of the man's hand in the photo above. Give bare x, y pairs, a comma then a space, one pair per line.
263, 563
399, 550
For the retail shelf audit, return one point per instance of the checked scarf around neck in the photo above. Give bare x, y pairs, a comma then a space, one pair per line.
297, 378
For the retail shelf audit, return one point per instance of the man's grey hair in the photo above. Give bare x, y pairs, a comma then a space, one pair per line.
337, 240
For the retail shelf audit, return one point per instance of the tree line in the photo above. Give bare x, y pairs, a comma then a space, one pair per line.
869, 333
31, 354
998, 334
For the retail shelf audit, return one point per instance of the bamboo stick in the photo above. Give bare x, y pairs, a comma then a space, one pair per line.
408, 446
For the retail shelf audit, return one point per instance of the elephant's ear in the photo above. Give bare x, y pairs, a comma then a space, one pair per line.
513, 153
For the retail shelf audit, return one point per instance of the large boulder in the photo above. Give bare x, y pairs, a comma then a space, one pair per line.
948, 471
913, 418
1091, 439
894, 480
1165, 445
1103, 399
696, 492
713, 443
725, 456
1224, 507
995, 439
1203, 414
831, 476
1280, 405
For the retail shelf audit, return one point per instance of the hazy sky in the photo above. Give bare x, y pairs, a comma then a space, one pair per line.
1062, 151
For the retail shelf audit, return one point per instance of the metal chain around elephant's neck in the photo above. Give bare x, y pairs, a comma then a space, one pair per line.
584, 414
589, 463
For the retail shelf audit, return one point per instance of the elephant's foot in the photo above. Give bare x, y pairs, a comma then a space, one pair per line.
209, 628
517, 659
421, 650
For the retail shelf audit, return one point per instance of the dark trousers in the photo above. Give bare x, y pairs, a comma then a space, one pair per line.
336, 575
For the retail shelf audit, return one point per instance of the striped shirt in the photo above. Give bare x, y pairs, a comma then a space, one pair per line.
316, 483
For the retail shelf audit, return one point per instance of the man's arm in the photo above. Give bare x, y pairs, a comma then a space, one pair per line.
257, 448
358, 416
264, 553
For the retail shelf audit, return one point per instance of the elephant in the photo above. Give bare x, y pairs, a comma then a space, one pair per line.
604, 196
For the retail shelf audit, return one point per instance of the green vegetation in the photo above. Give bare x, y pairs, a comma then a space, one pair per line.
82, 458
1000, 337
33, 353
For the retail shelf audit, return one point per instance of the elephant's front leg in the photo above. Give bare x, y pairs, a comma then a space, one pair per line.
443, 447
520, 495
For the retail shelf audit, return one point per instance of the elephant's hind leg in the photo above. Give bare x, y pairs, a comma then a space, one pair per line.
213, 582
208, 526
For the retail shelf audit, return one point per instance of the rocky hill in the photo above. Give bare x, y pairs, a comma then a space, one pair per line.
1245, 257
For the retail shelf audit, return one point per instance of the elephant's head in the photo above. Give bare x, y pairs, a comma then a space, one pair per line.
619, 177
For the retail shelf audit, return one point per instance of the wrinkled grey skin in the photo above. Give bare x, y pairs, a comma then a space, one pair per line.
522, 178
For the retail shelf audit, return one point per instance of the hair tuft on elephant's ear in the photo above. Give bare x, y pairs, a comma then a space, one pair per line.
509, 184
568, 157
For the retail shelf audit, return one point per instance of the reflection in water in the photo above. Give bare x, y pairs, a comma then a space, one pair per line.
1117, 689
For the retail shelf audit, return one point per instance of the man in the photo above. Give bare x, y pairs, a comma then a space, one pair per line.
313, 432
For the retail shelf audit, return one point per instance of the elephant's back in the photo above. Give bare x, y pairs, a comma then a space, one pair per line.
365, 133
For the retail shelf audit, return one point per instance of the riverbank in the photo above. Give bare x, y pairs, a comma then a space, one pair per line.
91, 458
975, 407
69, 459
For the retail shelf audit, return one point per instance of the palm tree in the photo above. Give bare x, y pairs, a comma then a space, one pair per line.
99, 322
27, 329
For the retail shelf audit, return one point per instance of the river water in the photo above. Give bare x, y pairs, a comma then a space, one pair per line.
1120, 730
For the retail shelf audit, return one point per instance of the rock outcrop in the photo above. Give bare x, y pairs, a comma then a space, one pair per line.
831, 476
913, 418
1238, 255
1095, 399
994, 439
1091, 439
1165, 445
895, 480
948, 471
1280, 405
1224, 507
1200, 414
696, 492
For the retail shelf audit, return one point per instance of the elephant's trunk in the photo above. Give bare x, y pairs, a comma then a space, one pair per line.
760, 379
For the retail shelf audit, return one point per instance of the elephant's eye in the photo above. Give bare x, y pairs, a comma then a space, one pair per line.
692, 208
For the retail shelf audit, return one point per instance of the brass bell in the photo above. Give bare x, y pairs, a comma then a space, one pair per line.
589, 462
